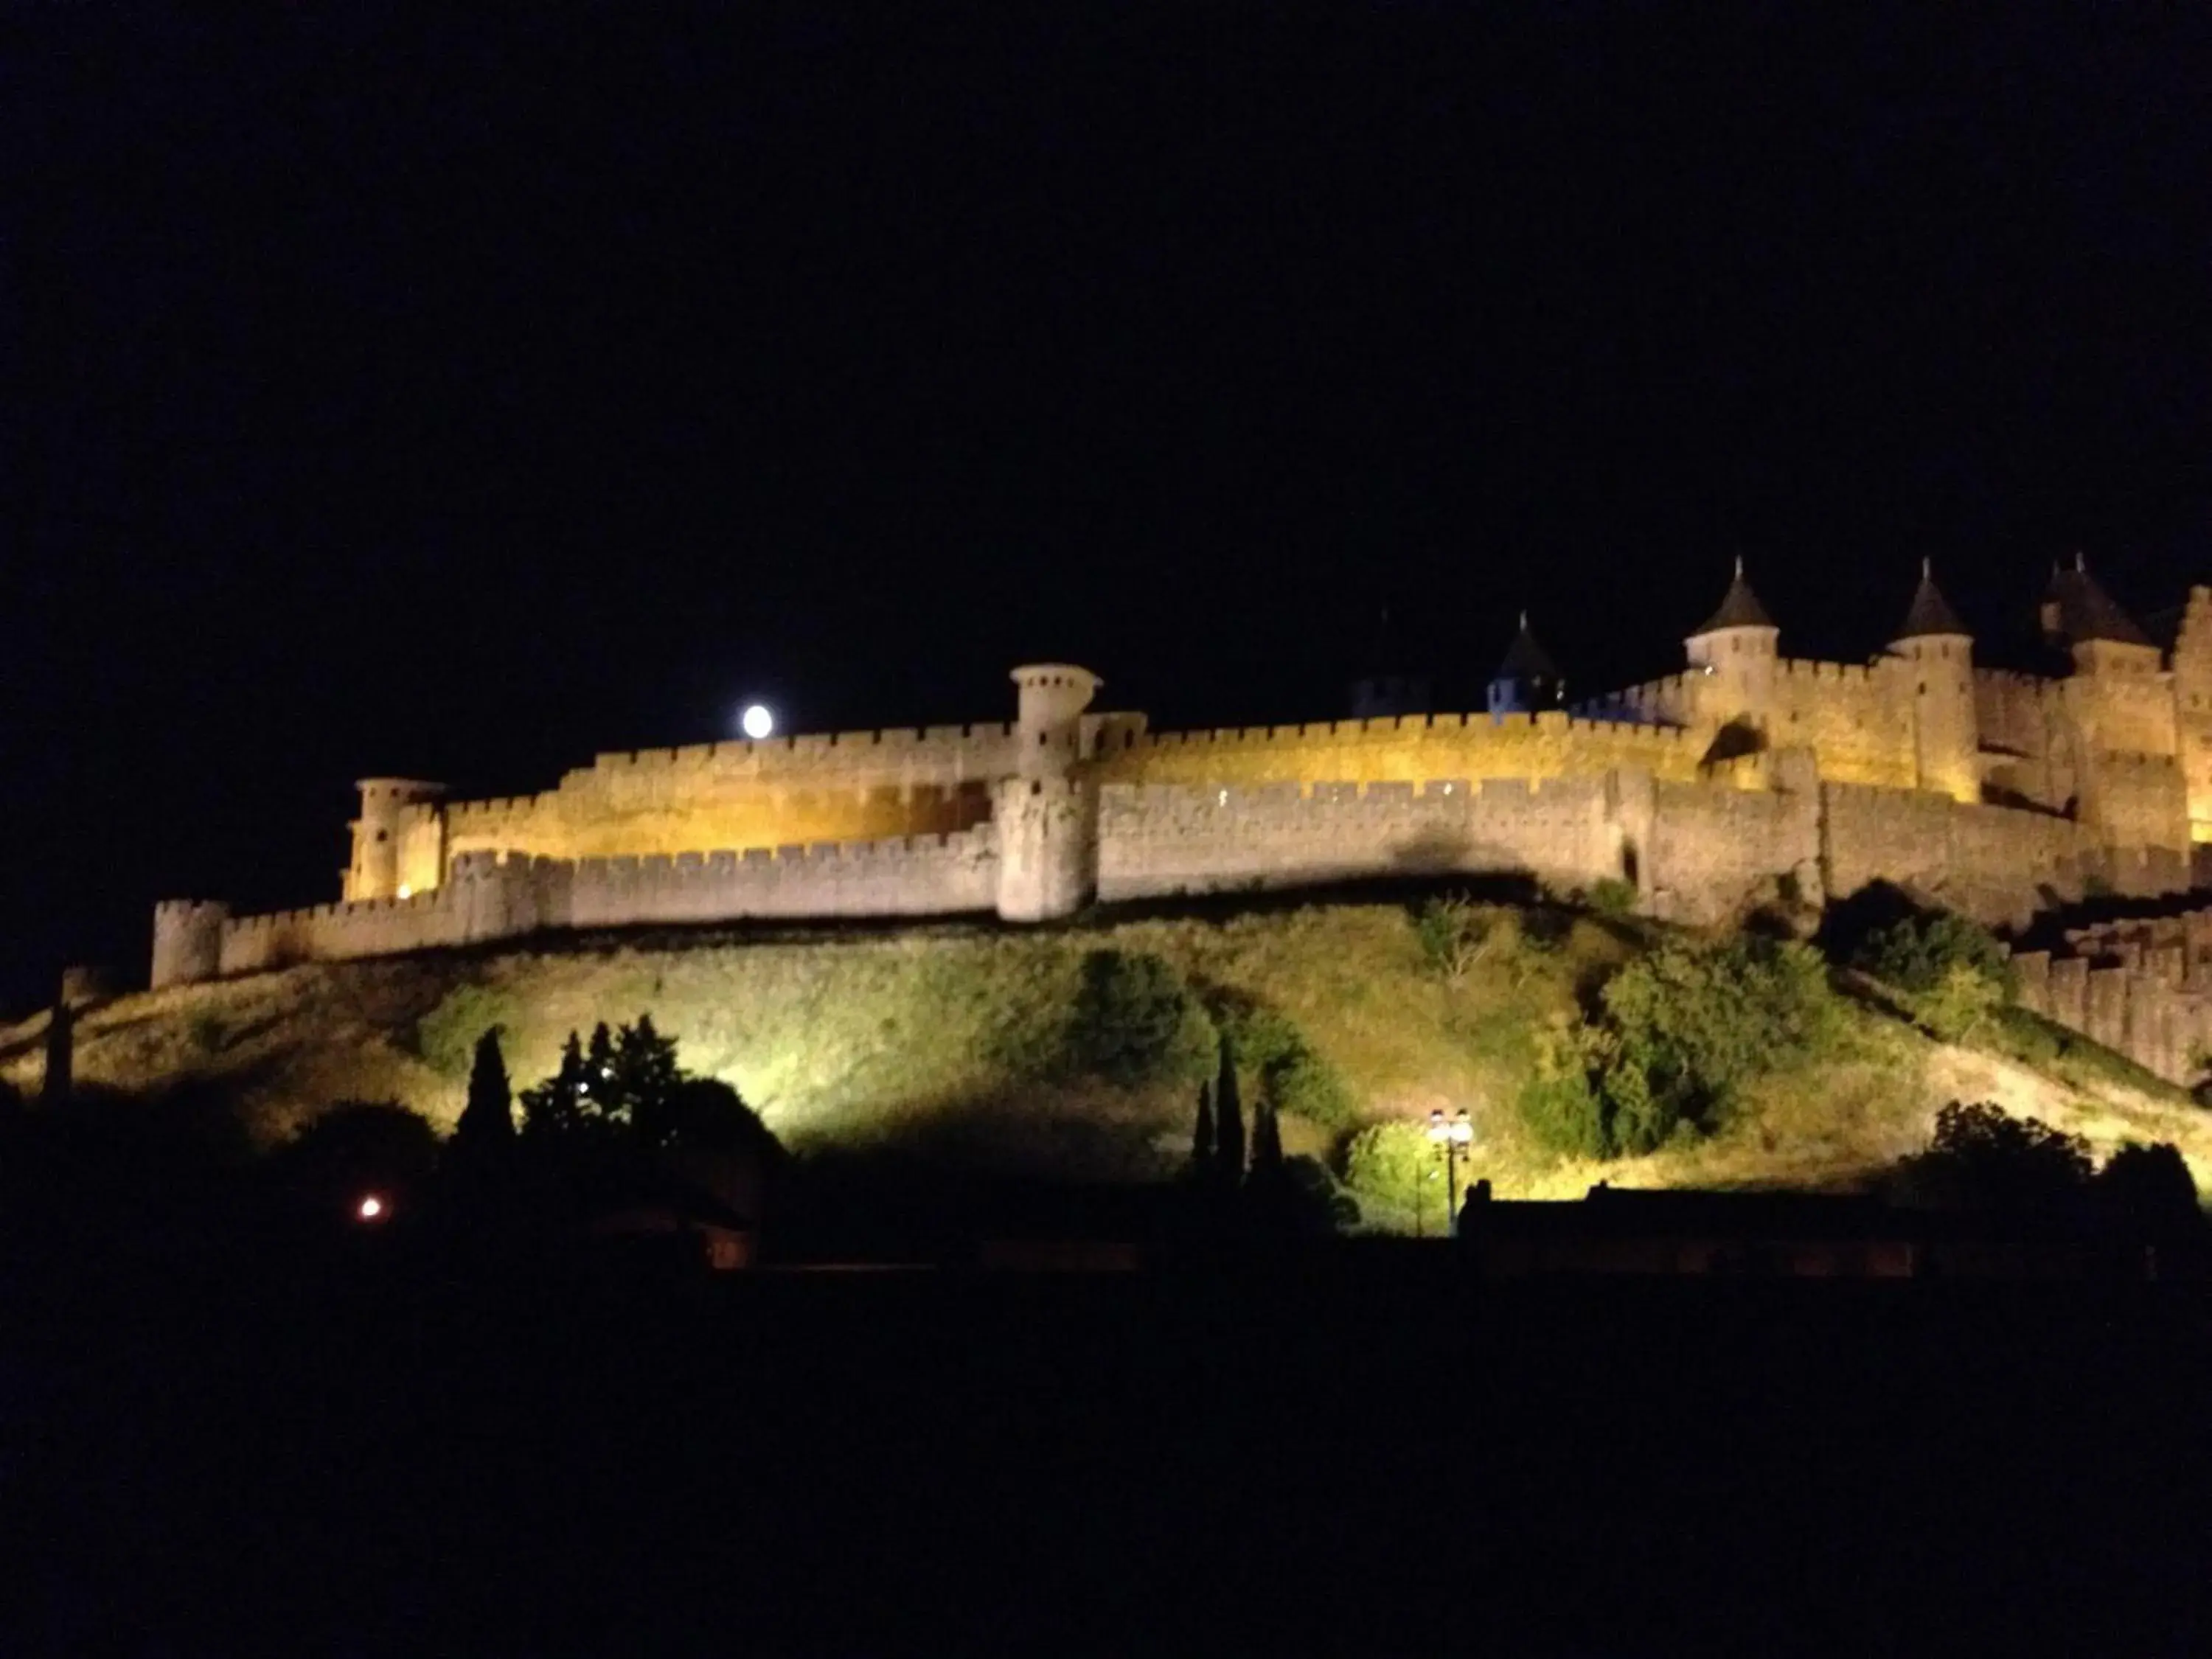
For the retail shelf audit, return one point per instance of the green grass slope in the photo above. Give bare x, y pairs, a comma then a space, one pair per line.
944, 1042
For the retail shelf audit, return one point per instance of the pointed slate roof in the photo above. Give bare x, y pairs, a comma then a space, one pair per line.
1525, 659
2086, 611
1929, 614
1739, 608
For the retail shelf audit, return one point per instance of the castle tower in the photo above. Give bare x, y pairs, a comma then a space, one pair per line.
1935, 654
187, 941
398, 841
1527, 680
2192, 709
1048, 813
2129, 783
1733, 660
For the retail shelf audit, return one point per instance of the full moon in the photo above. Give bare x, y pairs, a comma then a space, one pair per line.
756, 721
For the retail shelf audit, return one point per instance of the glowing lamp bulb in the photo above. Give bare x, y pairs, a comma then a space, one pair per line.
371, 1208
757, 722
406, 892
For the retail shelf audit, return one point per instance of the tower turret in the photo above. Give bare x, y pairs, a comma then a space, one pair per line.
187, 941
1935, 654
1527, 680
1047, 813
1734, 653
398, 839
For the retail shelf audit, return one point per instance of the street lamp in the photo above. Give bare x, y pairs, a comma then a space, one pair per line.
1450, 1135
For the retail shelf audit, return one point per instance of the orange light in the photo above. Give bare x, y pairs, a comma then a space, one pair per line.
371, 1208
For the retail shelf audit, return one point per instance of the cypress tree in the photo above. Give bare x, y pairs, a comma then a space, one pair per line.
1229, 1119
598, 1088
1266, 1143
555, 1107
488, 1121
1201, 1138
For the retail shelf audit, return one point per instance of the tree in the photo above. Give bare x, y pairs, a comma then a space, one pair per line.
358, 1149
1979, 1158
1203, 1135
1135, 1021
2149, 1189
1266, 1143
647, 1084
554, 1110
1228, 1120
486, 1122
598, 1089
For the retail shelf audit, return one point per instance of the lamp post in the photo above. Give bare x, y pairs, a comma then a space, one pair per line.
1450, 1135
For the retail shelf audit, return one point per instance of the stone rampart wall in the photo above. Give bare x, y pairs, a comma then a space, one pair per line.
1415, 749
1157, 839
489, 897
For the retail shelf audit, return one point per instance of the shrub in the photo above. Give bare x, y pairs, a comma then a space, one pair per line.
1689, 1027
1559, 1102
2149, 1188
1394, 1164
1454, 934
446, 1038
1612, 896
1919, 953
1136, 1022
1979, 1158
1301, 1082
1679, 1031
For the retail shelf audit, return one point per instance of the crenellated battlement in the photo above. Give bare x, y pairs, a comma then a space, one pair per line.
1829, 775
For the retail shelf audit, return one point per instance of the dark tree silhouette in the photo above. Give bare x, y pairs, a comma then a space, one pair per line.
1202, 1146
1229, 1119
555, 1108
1982, 1159
646, 1082
359, 1148
599, 1084
1266, 1143
2149, 1190
486, 1122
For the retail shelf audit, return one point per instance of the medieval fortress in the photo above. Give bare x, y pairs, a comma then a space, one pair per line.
1746, 778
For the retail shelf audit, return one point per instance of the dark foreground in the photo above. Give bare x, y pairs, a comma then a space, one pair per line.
1353, 1453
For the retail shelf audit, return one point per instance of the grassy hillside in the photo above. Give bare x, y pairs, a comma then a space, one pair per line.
947, 1044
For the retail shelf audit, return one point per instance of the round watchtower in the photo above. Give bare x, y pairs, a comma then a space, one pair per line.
1047, 813
1732, 659
1934, 653
1049, 726
187, 941
379, 868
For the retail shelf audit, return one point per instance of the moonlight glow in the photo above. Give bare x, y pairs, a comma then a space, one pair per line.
757, 722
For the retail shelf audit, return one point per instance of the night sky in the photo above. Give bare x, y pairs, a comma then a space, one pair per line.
382, 392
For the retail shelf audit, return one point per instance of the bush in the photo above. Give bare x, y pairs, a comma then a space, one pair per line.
1920, 953
1301, 1082
446, 1038
1690, 1027
1612, 896
1979, 1158
1394, 1164
1136, 1022
1559, 1103
1455, 933
2149, 1189
1679, 1031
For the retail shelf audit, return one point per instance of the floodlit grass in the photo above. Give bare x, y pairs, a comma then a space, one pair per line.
948, 1043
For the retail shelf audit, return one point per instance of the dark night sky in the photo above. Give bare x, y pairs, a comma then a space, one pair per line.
382, 391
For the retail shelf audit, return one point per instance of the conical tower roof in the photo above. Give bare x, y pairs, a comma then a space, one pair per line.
2086, 611
1929, 614
1525, 659
1739, 608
